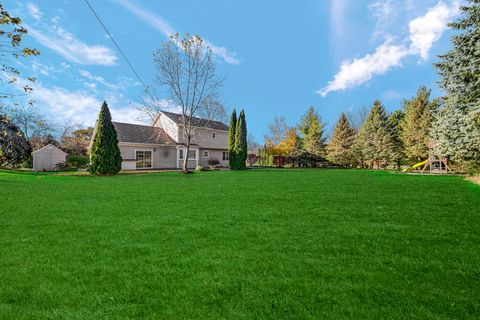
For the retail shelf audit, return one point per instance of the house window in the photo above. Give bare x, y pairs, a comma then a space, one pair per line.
213, 135
205, 154
225, 155
144, 159
192, 154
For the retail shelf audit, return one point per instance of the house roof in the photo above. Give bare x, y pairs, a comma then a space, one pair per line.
197, 122
135, 133
49, 147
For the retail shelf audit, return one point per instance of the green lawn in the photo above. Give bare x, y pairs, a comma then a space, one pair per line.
298, 244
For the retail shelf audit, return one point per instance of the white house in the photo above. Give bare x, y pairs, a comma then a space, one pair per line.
162, 145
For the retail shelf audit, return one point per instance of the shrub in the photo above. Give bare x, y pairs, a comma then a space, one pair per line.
213, 162
252, 159
78, 162
200, 168
279, 161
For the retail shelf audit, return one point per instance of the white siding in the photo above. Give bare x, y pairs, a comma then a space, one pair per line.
168, 126
164, 157
47, 158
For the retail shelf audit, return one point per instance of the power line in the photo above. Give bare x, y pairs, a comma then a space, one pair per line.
116, 44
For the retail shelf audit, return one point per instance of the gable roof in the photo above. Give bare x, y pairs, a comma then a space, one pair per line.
50, 147
197, 122
127, 132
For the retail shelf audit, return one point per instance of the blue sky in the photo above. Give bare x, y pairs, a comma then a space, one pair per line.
278, 57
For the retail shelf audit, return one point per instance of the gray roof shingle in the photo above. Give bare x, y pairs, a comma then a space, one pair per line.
197, 122
127, 132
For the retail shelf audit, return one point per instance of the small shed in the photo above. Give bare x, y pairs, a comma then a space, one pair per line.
47, 158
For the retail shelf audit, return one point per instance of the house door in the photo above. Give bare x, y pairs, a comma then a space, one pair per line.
144, 159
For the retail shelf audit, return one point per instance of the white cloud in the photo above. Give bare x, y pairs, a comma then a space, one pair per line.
337, 16
424, 32
72, 49
34, 11
357, 71
78, 106
99, 79
383, 12
164, 27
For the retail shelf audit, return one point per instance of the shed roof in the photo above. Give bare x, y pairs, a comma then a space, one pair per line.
50, 147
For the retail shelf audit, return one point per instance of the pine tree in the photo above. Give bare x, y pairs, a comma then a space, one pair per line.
105, 158
416, 125
340, 147
312, 129
231, 141
395, 121
457, 124
374, 142
241, 148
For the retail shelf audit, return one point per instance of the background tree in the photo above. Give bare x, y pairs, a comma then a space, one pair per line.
185, 67
312, 130
395, 120
30, 121
253, 145
374, 140
11, 49
340, 147
213, 110
105, 158
416, 125
456, 128
14, 147
357, 117
276, 131
232, 156
241, 145
76, 142
289, 144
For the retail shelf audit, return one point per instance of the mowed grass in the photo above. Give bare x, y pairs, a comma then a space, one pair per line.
262, 244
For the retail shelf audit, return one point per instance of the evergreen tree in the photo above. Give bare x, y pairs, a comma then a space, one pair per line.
312, 129
416, 125
456, 133
231, 141
395, 120
340, 147
105, 158
374, 142
241, 148
457, 125
14, 147
460, 67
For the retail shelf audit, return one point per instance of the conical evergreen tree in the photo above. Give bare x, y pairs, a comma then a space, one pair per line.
416, 125
241, 142
395, 121
231, 141
374, 142
311, 127
105, 157
340, 147
456, 128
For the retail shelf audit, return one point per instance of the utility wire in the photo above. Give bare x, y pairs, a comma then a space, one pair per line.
116, 44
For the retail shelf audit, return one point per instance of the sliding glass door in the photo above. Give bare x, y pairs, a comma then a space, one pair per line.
144, 159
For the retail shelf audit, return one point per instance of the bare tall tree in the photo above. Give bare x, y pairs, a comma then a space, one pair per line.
30, 121
358, 117
213, 110
277, 130
185, 67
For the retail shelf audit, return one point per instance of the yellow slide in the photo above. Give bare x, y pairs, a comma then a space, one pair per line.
415, 166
